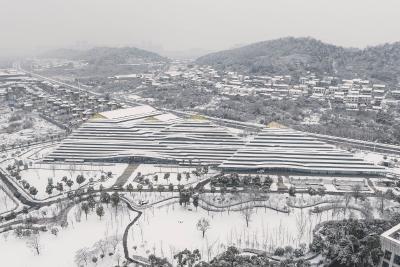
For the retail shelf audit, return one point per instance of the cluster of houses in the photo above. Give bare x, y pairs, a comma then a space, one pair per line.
355, 94
66, 107
49, 63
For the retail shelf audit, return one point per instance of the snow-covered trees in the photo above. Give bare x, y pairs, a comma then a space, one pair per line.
351, 242
115, 199
105, 198
187, 257
80, 179
292, 191
158, 262
100, 211
85, 208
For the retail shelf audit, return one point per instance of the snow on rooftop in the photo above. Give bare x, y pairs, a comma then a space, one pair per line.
133, 111
166, 117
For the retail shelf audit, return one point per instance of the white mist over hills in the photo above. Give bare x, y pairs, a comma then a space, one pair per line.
189, 25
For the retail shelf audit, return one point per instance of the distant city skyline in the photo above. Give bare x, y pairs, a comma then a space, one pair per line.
192, 25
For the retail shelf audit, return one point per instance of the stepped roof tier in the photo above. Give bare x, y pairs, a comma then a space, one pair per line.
151, 135
146, 134
285, 149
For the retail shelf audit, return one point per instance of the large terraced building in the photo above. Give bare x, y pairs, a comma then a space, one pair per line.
145, 134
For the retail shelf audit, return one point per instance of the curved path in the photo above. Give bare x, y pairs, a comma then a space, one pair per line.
291, 205
365, 212
254, 203
134, 258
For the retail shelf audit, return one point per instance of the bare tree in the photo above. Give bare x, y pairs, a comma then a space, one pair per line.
82, 255
247, 212
102, 246
33, 242
301, 224
356, 191
114, 241
347, 198
118, 258
203, 225
381, 197
71, 169
53, 168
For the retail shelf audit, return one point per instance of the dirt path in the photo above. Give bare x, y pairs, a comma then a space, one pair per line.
135, 259
123, 178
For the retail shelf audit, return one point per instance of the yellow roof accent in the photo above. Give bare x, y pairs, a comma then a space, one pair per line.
97, 116
198, 117
151, 118
274, 124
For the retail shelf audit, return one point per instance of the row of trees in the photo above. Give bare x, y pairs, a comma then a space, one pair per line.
142, 179
105, 198
14, 171
232, 257
233, 180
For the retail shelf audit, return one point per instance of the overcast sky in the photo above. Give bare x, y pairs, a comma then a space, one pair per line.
26, 25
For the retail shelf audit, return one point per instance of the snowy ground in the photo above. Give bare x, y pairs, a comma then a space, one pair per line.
164, 230
378, 158
40, 128
60, 250
27, 155
34, 152
150, 170
157, 230
40, 153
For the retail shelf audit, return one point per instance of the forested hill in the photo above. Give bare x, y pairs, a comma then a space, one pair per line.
297, 56
107, 55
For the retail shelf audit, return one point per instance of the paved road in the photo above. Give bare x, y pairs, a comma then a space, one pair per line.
24, 199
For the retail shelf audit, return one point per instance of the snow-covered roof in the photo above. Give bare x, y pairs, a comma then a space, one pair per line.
134, 111
166, 117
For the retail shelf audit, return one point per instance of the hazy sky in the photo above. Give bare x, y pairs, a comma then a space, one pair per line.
26, 25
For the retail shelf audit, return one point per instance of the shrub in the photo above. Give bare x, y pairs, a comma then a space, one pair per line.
279, 251
27, 124
298, 253
10, 216
15, 117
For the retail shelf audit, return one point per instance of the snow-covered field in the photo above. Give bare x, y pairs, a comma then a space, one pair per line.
158, 229
60, 250
164, 230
